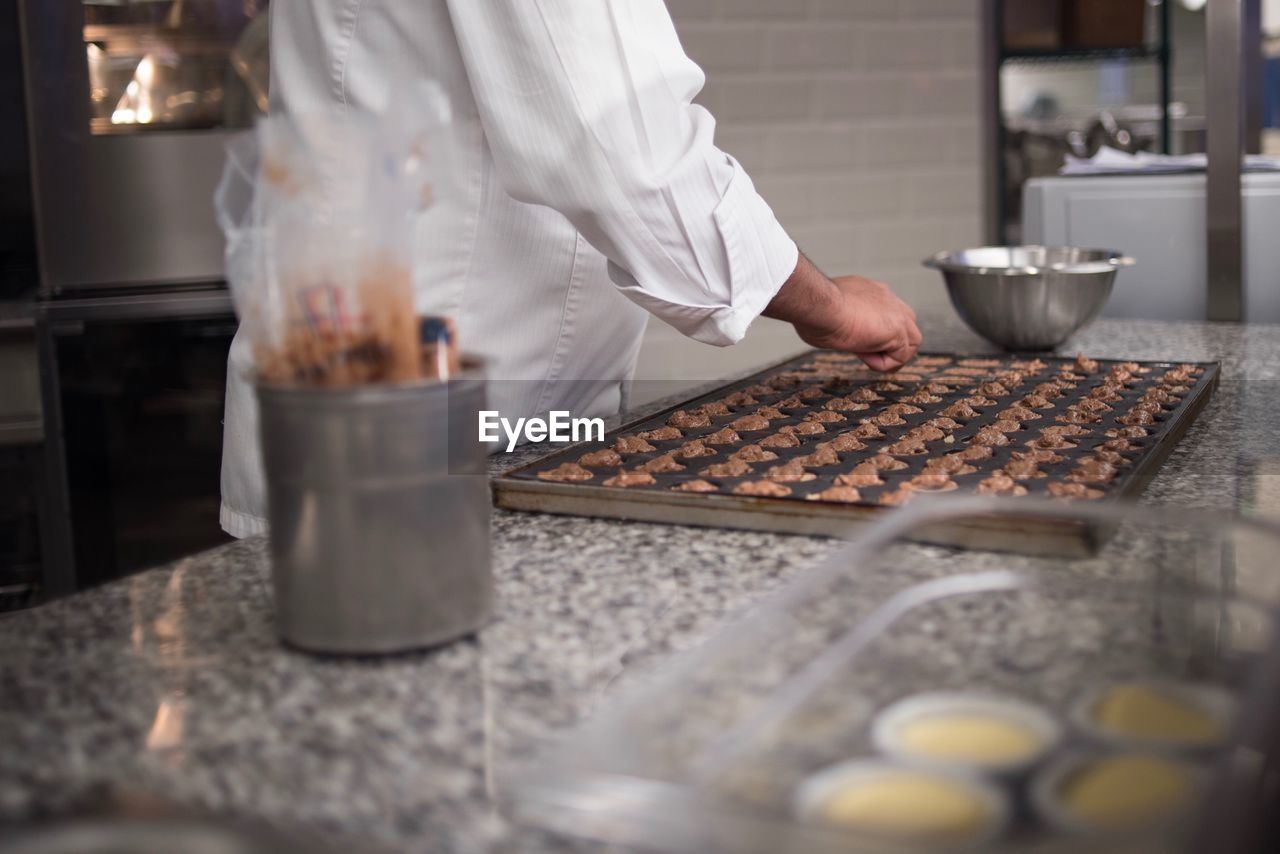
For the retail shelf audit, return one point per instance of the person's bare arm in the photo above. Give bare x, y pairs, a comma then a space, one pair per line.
848, 313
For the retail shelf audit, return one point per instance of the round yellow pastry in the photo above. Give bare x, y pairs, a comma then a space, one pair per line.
904, 803
973, 731
980, 739
1126, 790
1154, 713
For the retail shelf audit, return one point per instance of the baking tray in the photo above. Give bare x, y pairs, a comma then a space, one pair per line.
838, 375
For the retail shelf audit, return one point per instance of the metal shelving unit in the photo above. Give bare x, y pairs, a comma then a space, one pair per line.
1090, 54
996, 57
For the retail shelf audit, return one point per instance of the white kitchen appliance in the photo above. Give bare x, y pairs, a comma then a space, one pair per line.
1159, 220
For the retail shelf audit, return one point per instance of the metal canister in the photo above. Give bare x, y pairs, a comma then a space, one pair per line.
379, 512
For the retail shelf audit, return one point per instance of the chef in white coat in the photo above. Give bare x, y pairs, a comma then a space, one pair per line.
591, 195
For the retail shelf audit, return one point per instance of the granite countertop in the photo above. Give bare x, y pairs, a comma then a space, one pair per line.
172, 683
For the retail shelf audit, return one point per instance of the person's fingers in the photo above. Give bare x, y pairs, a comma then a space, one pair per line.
890, 360
902, 355
914, 336
880, 362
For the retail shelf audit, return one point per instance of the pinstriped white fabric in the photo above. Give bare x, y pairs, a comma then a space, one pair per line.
588, 188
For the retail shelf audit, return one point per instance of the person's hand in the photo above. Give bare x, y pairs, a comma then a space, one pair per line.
869, 321
849, 313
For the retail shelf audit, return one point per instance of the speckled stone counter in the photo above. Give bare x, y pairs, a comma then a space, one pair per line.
172, 683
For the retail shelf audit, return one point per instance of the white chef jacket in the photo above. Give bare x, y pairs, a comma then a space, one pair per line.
589, 191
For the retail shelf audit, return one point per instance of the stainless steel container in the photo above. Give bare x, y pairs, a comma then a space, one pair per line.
1028, 297
379, 511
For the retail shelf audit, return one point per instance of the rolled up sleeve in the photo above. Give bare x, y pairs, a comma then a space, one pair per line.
588, 109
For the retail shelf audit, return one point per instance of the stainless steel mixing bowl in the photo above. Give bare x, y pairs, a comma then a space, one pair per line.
1028, 297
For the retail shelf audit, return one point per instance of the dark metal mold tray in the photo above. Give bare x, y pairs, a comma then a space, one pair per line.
818, 378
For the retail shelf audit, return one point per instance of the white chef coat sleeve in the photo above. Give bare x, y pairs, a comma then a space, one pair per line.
588, 109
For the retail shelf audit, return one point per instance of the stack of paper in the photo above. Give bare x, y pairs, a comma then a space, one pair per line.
1111, 161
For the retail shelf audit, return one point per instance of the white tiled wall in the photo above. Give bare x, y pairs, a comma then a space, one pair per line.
859, 123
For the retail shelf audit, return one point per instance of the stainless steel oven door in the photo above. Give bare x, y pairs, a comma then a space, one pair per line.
130, 103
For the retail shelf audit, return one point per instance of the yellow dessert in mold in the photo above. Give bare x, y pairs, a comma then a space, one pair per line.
971, 738
1123, 791
973, 731
889, 800
1154, 712
907, 804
